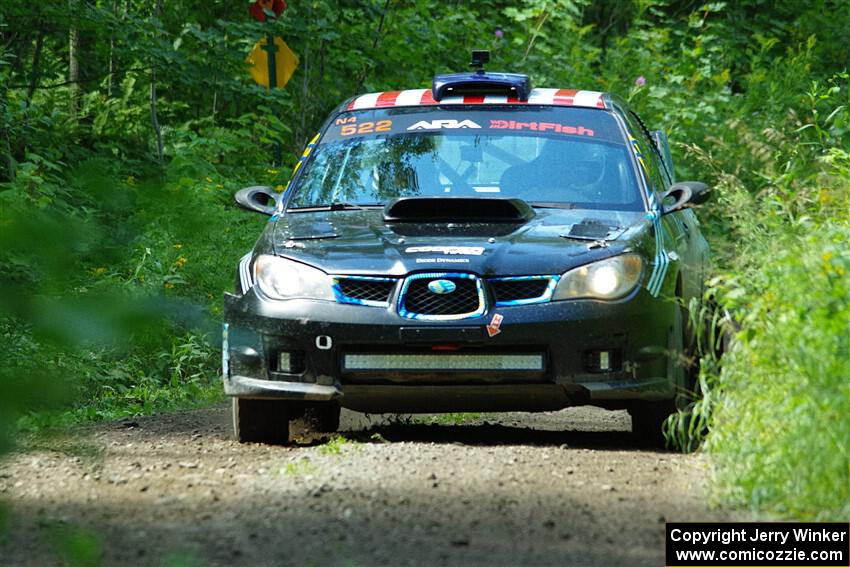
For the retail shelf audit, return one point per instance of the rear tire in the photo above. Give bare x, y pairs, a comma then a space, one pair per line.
261, 421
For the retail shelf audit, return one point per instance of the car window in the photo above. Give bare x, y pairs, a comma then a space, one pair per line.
551, 155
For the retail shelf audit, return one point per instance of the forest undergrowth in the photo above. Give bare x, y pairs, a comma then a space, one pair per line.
118, 237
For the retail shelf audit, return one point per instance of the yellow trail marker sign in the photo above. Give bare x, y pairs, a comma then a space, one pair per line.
285, 60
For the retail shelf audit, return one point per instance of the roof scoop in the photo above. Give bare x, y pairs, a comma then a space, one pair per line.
458, 210
481, 83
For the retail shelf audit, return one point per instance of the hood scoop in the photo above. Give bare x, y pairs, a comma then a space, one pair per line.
441, 210
593, 229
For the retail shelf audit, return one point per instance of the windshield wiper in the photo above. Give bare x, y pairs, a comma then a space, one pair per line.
339, 206
540, 205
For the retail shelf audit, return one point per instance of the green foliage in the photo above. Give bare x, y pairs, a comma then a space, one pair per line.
336, 444
775, 408
112, 265
451, 418
686, 429
781, 438
301, 467
76, 547
110, 295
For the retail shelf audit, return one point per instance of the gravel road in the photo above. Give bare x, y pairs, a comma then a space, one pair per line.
562, 488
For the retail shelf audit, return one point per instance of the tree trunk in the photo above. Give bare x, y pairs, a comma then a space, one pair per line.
36, 64
154, 120
81, 49
10, 161
110, 81
74, 63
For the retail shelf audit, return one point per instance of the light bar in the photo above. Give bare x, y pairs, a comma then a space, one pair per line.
413, 362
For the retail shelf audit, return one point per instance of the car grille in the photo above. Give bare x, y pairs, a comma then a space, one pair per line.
524, 289
419, 302
364, 290
467, 299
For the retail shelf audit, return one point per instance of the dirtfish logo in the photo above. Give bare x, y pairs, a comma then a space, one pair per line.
440, 124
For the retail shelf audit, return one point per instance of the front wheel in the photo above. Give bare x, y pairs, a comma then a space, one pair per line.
648, 421
261, 421
648, 417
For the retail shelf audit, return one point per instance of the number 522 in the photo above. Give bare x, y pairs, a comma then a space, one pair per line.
366, 127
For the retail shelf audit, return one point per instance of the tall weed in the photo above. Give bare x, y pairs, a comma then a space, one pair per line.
781, 437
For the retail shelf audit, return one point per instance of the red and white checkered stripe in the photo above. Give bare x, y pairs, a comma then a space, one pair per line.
420, 97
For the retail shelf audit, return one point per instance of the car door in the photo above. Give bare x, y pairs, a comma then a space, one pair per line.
675, 231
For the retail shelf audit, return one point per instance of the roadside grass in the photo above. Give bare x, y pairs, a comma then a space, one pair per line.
686, 429
119, 317
336, 444
774, 409
302, 467
781, 437
459, 418
137, 401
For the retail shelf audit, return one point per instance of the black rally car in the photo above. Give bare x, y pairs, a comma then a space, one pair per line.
478, 246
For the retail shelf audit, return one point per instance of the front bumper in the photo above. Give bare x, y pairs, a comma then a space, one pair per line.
590, 352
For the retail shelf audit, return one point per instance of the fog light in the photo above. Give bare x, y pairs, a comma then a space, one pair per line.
604, 360
607, 360
290, 362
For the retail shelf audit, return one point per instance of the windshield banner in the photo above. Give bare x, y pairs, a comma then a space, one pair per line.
549, 122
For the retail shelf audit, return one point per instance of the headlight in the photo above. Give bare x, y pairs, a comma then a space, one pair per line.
279, 278
612, 278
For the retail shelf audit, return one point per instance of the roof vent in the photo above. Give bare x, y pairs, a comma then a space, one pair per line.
481, 83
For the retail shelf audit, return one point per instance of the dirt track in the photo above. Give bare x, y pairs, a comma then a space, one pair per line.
565, 488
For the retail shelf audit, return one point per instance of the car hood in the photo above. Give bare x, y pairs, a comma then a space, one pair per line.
361, 242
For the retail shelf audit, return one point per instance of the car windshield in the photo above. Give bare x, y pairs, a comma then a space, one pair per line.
547, 156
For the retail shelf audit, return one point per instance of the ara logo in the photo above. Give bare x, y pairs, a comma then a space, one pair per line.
440, 124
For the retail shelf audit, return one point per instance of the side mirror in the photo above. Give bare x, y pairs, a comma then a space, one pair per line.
683, 195
701, 192
259, 199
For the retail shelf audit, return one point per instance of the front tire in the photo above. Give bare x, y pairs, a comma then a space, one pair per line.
648, 417
648, 422
261, 421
